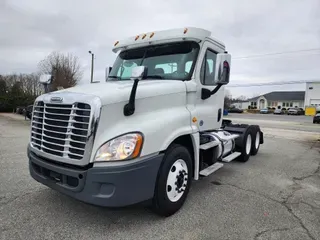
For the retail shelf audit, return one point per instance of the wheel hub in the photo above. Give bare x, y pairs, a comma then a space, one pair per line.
177, 180
180, 181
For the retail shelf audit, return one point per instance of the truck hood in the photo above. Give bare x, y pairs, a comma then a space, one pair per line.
119, 91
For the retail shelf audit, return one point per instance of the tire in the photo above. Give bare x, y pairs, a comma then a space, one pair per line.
255, 140
175, 173
244, 148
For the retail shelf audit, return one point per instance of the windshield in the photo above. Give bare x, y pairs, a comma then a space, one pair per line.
174, 61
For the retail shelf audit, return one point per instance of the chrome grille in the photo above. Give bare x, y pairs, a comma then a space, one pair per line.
61, 129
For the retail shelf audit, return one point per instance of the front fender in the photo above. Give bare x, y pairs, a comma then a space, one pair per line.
159, 127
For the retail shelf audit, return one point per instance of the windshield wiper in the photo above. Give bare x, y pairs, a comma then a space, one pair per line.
154, 77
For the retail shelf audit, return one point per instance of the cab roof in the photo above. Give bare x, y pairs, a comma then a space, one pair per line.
166, 36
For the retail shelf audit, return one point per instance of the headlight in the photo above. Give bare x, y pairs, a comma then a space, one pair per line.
127, 146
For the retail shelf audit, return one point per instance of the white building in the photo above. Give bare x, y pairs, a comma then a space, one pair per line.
241, 104
283, 99
312, 96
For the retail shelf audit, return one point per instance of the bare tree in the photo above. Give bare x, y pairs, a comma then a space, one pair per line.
242, 98
3, 86
65, 69
227, 99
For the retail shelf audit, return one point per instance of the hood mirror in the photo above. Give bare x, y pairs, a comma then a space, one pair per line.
138, 72
46, 79
107, 73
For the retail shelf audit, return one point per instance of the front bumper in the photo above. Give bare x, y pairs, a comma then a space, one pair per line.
109, 186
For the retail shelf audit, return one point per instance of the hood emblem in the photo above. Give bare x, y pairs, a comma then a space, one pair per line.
56, 99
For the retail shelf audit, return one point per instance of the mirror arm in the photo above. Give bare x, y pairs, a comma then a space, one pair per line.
216, 89
206, 93
129, 108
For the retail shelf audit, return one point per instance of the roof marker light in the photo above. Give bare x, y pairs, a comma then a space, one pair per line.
185, 31
151, 35
144, 35
116, 43
137, 37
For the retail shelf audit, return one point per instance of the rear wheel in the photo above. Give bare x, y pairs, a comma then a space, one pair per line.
174, 180
246, 145
256, 141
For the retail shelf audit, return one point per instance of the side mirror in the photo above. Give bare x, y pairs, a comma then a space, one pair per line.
138, 72
107, 73
45, 79
222, 69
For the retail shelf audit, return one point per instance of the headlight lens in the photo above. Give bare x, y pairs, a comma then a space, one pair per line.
124, 147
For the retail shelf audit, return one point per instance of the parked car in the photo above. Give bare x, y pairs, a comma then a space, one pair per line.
28, 111
264, 111
278, 111
316, 118
19, 110
235, 110
295, 111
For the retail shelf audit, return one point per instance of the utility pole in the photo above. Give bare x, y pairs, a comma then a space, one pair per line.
92, 64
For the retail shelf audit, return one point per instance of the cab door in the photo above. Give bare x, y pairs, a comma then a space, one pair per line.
210, 110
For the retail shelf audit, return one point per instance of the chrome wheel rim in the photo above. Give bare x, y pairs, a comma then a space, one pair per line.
177, 180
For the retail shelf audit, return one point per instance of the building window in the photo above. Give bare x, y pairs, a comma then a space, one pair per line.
253, 105
283, 104
291, 104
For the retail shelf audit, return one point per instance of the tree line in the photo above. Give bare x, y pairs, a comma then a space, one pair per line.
20, 90
229, 100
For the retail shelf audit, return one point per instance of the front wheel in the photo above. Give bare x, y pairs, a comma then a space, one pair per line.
174, 180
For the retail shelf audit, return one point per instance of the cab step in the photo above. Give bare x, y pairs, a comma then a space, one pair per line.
231, 157
211, 169
209, 145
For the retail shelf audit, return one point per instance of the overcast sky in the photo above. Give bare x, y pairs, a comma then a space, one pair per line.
31, 29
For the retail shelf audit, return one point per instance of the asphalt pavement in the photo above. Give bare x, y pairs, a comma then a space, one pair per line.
275, 195
289, 122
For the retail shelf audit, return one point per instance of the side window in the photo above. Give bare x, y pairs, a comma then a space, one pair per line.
207, 72
188, 66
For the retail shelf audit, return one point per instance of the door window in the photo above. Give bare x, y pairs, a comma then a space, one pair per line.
208, 67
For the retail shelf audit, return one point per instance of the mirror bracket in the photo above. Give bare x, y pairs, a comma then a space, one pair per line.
206, 93
137, 74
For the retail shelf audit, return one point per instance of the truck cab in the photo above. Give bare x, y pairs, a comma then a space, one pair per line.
145, 133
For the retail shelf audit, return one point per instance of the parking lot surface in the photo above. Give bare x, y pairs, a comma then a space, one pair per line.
275, 195
289, 122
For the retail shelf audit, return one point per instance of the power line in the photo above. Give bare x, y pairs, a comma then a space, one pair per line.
277, 53
273, 83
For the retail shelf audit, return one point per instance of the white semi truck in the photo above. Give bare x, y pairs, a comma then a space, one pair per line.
145, 133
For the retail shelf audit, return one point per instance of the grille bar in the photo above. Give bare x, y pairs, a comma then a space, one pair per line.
61, 129
59, 144
62, 108
81, 129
